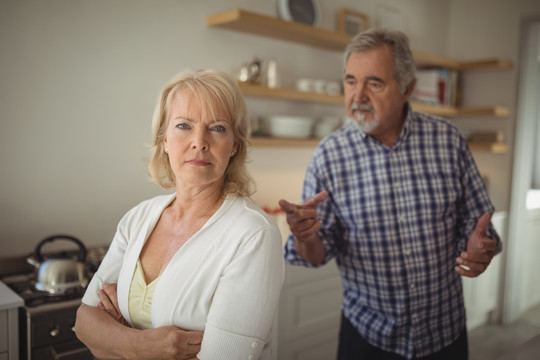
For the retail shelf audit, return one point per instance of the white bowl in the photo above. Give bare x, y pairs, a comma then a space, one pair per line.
326, 125
297, 127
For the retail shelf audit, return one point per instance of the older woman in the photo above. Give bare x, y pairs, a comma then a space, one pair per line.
196, 273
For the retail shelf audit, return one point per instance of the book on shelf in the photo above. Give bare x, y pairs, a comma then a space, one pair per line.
436, 87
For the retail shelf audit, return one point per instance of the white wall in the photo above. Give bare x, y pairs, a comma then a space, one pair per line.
496, 30
483, 29
78, 82
79, 78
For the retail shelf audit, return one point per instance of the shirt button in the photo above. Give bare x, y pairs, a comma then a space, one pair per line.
254, 345
412, 286
401, 218
407, 252
397, 184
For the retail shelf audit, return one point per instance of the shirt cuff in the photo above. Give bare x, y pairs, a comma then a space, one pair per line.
224, 345
90, 296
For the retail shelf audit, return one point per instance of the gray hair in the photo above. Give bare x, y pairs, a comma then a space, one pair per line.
395, 41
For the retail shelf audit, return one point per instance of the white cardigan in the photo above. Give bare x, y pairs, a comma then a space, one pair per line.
225, 280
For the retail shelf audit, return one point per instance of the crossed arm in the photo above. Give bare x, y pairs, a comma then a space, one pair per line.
106, 333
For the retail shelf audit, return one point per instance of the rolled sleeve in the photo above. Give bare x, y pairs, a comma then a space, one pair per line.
229, 346
90, 297
109, 269
245, 302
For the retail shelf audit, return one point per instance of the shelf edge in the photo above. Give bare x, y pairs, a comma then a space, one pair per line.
282, 142
273, 27
495, 148
289, 94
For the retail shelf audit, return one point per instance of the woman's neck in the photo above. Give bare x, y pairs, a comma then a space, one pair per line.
197, 203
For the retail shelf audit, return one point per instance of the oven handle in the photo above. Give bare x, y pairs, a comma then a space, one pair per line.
65, 354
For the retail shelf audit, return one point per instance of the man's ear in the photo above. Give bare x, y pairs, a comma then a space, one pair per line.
409, 89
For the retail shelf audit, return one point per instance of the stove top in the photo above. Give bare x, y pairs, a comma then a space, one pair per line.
23, 285
18, 275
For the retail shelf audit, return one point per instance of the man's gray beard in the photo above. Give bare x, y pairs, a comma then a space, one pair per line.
366, 126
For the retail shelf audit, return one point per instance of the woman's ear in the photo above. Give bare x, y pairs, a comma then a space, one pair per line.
165, 147
234, 150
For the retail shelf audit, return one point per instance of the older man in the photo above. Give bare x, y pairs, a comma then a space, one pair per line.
396, 198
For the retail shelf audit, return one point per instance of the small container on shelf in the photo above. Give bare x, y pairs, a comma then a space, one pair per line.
288, 126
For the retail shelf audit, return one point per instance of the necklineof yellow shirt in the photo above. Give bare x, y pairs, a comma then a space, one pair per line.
140, 298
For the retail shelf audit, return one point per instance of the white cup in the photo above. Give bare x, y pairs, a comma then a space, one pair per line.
272, 75
326, 125
306, 85
319, 86
333, 88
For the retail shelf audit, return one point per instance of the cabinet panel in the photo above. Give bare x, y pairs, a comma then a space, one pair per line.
4, 331
309, 313
310, 308
298, 275
481, 293
320, 346
531, 266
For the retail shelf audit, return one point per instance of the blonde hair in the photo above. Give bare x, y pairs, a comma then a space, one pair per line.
220, 94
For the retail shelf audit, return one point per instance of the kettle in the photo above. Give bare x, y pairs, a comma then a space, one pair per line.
59, 275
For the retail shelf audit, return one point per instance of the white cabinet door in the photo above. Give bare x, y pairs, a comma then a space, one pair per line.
4, 335
309, 313
481, 293
530, 291
9, 331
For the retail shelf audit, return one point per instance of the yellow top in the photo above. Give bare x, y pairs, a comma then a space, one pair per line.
140, 299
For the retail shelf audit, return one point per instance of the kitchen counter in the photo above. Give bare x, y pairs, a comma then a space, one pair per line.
8, 298
9, 323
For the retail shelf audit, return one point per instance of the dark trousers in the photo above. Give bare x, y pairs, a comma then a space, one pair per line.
353, 347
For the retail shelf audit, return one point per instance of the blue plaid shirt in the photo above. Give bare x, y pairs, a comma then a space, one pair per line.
395, 221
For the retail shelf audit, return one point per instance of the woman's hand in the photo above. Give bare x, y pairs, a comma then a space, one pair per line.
109, 303
108, 339
167, 342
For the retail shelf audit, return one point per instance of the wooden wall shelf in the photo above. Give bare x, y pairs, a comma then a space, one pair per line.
295, 95
281, 142
448, 111
272, 27
495, 148
423, 59
253, 23
289, 94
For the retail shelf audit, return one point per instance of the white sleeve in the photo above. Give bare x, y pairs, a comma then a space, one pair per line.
245, 301
109, 269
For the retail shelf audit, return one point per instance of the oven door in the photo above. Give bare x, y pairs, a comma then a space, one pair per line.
49, 334
68, 351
